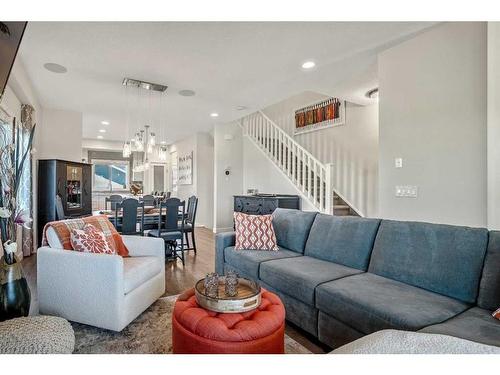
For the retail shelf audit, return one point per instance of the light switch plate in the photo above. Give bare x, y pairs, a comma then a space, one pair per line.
398, 162
406, 191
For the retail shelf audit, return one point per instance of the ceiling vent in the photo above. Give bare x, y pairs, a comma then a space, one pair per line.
144, 85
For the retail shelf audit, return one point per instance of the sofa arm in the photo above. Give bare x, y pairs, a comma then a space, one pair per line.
80, 286
144, 246
222, 240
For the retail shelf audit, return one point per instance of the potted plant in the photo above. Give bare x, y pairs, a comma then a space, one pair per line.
15, 295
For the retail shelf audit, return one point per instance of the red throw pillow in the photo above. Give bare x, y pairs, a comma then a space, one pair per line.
496, 314
254, 232
91, 240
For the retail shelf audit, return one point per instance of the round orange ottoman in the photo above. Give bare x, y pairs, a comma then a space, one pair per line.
196, 330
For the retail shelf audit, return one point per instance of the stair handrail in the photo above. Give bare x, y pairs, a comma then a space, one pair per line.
326, 170
313, 158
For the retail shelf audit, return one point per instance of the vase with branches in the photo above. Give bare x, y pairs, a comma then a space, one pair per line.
14, 153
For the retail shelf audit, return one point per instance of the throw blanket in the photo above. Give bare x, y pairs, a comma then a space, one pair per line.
63, 230
391, 341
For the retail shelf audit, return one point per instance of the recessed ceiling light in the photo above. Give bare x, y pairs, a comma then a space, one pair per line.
105, 122
102, 130
55, 68
308, 65
372, 94
214, 114
187, 93
241, 108
100, 137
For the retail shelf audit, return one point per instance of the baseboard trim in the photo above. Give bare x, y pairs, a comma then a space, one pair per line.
220, 230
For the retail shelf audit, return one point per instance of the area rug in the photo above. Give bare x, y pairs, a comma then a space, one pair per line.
150, 333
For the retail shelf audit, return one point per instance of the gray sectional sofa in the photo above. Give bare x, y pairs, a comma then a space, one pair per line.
341, 278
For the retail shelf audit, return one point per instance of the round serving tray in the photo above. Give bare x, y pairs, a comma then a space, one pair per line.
247, 298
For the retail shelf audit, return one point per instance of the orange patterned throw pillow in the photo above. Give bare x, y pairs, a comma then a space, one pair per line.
91, 240
254, 232
496, 314
63, 230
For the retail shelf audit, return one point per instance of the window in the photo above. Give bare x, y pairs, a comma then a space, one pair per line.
111, 175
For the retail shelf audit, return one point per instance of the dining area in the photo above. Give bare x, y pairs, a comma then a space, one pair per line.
155, 215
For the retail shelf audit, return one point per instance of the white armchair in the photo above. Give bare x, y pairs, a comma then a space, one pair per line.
105, 291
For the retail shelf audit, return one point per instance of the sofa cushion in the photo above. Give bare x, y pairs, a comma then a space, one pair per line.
248, 261
298, 277
254, 232
138, 270
441, 258
369, 303
475, 324
489, 288
345, 240
292, 228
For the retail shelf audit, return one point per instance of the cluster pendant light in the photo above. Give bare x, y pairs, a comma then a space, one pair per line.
146, 114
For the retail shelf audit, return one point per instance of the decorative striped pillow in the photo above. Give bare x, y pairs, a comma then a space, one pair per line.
254, 232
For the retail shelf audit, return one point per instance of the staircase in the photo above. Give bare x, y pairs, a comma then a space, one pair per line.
312, 178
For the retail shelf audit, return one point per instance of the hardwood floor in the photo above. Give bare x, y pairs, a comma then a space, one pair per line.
178, 278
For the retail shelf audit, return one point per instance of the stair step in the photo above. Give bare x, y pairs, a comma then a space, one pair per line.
341, 207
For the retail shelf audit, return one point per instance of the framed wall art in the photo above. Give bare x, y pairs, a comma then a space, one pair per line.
325, 114
185, 169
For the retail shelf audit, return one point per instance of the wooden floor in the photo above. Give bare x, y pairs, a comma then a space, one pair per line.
179, 278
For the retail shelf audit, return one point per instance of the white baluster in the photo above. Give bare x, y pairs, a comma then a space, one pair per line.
321, 189
303, 171
268, 137
315, 184
329, 188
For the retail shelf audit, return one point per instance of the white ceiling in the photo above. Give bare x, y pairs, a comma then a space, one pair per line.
227, 64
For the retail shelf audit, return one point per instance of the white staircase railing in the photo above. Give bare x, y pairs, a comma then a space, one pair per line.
308, 174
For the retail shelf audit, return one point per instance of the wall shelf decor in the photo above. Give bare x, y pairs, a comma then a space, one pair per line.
325, 114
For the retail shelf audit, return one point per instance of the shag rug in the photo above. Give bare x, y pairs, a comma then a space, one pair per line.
150, 333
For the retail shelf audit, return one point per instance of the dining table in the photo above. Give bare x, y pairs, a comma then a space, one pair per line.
150, 216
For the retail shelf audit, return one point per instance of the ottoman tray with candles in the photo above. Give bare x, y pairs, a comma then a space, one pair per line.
196, 330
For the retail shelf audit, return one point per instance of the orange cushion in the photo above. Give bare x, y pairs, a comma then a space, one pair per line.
91, 240
101, 222
268, 318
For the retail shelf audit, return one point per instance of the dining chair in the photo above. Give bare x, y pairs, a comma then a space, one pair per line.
149, 200
169, 227
114, 199
189, 221
131, 211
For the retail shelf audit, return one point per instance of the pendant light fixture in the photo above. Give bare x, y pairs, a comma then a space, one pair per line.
145, 142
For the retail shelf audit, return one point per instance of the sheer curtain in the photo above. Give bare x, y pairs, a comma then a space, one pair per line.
24, 199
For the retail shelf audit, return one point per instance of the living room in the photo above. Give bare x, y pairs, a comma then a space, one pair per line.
197, 186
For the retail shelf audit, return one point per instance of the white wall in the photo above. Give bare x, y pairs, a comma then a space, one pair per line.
202, 146
205, 179
61, 135
352, 148
183, 147
493, 125
228, 154
433, 115
262, 174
